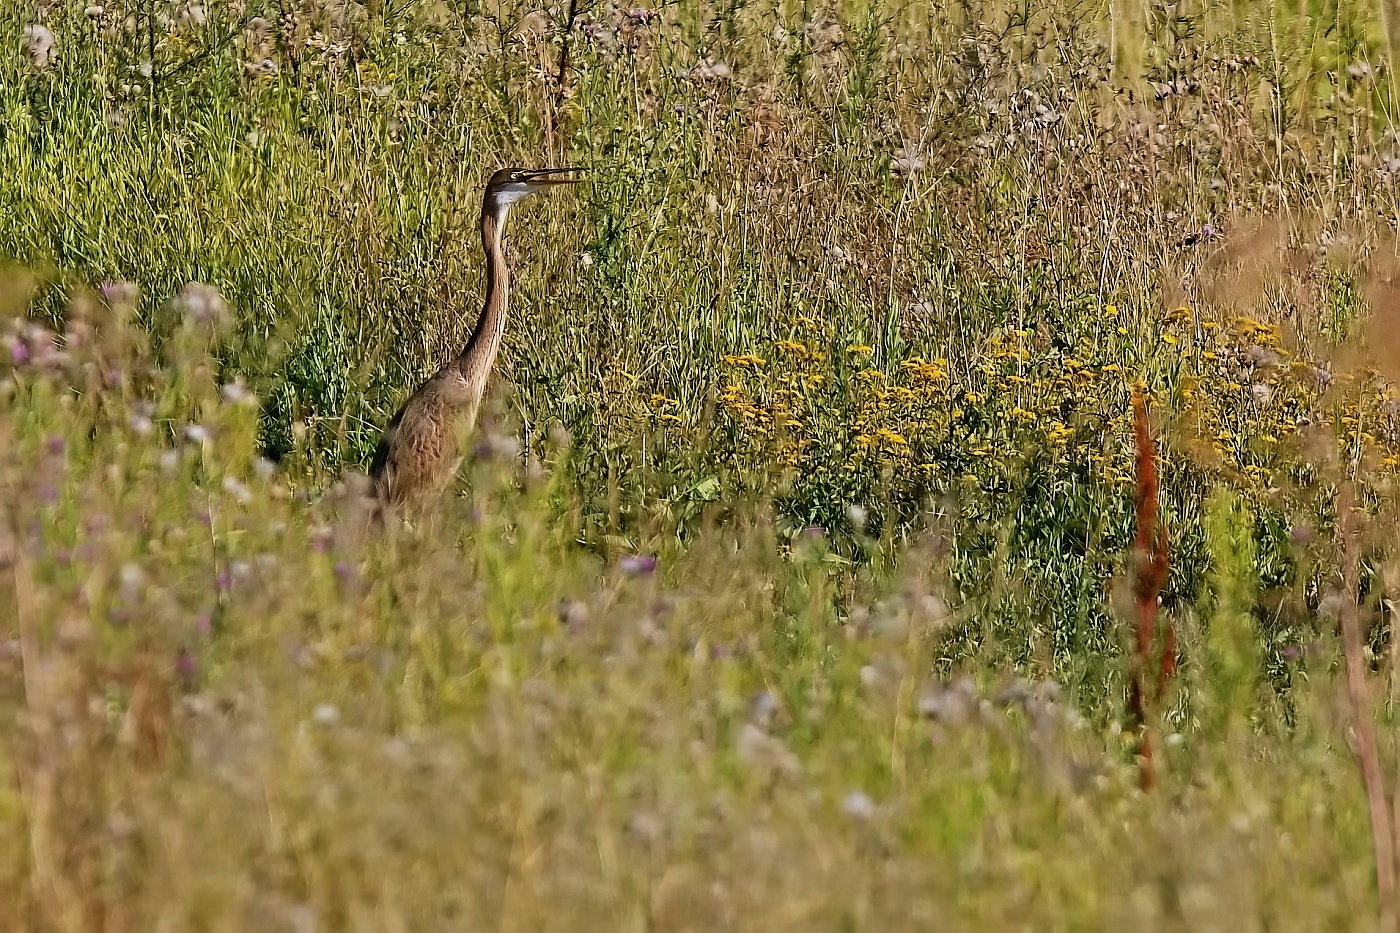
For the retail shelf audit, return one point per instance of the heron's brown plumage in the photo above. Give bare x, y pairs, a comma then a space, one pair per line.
420, 452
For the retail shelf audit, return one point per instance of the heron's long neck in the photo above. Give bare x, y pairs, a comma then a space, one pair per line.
479, 355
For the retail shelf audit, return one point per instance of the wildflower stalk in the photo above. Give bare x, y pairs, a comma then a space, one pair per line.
1230, 645
37, 780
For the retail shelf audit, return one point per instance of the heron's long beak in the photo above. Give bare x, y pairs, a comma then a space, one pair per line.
554, 176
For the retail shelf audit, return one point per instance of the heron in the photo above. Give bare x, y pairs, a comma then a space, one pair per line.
419, 453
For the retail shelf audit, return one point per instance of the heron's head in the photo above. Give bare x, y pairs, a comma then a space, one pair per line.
511, 184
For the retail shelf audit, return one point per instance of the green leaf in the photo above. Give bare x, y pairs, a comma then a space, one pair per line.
707, 490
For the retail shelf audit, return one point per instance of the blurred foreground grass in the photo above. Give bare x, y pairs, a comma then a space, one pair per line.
784, 593
234, 711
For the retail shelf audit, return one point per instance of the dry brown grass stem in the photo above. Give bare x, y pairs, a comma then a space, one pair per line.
561, 91
1363, 730
38, 782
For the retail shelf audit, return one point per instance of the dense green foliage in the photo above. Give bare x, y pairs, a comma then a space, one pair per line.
870, 194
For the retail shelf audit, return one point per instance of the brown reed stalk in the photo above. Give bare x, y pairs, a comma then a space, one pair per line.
561, 89
1151, 564
1363, 728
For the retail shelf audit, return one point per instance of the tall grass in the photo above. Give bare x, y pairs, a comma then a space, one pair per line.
791, 585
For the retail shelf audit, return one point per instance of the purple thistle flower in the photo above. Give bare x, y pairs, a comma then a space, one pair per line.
119, 292
56, 444
19, 353
203, 624
636, 565
1291, 653
224, 581
41, 345
187, 665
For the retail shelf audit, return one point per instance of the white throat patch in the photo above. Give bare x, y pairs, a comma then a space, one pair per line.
507, 195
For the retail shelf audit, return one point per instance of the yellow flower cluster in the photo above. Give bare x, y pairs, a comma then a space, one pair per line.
1234, 398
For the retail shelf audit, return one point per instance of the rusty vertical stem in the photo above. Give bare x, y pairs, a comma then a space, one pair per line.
1150, 569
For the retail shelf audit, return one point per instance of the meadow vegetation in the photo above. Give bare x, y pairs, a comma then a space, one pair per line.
794, 576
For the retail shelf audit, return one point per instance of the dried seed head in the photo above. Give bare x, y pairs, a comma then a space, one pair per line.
39, 44
858, 805
201, 304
